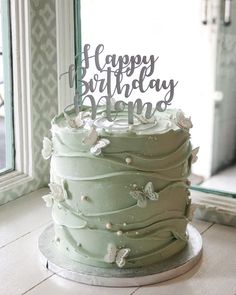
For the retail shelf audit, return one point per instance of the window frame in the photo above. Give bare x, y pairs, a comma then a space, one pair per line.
21, 76
8, 93
65, 50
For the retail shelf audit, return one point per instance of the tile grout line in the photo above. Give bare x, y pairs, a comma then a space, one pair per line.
53, 274
23, 235
134, 291
39, 283
207, 228
12, 241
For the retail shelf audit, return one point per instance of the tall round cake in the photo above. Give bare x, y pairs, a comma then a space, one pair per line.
119, 192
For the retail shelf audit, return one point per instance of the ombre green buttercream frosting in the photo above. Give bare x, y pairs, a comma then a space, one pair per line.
119, 192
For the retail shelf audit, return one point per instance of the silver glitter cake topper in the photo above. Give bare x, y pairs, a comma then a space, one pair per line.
108, 79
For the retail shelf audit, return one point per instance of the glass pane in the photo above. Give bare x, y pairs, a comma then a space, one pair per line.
190, 50
6, 126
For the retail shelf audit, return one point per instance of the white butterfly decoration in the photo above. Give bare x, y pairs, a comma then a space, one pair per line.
96, 144
58, 193
116, 255
47, 148
194, 155
142, 196
78, 121
182, 121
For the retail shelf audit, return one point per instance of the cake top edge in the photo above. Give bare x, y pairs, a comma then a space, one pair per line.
117, 124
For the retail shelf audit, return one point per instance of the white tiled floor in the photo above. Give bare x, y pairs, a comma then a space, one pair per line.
21, 271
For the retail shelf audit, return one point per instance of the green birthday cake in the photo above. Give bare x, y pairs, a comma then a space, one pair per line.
119, 191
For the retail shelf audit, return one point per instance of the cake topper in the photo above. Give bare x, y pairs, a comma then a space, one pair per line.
108, 79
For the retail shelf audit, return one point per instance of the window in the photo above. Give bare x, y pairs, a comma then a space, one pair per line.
6, 124
188, 52
18, 176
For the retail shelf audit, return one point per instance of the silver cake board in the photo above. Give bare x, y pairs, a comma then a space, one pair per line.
72, 270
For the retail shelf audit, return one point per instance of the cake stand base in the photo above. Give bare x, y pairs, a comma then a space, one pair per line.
72, 270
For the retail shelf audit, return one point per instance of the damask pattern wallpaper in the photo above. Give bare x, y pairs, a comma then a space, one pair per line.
44, 90
44, 77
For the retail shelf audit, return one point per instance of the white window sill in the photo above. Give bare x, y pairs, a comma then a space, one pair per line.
214, 208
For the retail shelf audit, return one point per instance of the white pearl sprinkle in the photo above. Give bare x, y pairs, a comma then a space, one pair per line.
137, 233
124, 224
83, 198
128, 160
108, 225
119, 233
135, 185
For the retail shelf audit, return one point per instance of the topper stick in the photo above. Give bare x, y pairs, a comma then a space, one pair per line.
78, 59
